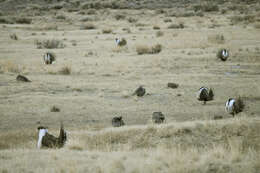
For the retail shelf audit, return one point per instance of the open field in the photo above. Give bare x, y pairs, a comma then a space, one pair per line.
93, 80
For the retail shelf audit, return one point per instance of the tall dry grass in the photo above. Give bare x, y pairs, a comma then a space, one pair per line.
22, 138
227, 152
199, 135
11, 67
218, 159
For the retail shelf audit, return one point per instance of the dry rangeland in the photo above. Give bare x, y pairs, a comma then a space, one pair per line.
93, 80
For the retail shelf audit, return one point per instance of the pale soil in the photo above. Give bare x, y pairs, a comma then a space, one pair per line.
101, 86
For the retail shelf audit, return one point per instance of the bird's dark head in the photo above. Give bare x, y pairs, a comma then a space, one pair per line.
230, 99
42, 127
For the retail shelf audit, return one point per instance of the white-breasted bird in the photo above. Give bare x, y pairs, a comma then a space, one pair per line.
223, 54
42, 133
205, 94
230, 106
234, 106
49, 58
121, 42
47, 140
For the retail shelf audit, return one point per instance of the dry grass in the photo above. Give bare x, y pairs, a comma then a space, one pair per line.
128, 30
48, 27
257, 25
167, 20
143, 49
87, 19
66, 70
206, 7
23, 138
101, 85
190, 160
107, 31
4, 20
156, 27
143, 137
132, 20
156, 49
61, 17
87, 26
120, 16
175, 147
18, 20
246, 19
216, 39
176, 26
23, 20
159, 34
9, 66
120, 49
49, 44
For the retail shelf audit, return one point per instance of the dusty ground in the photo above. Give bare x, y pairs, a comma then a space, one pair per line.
104, 76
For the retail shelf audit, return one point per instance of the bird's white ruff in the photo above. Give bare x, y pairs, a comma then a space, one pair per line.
200, 90
225, 53
117, 41
42, 133
230, 106
47, 59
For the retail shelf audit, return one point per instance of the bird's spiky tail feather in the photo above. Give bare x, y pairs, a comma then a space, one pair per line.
62, 137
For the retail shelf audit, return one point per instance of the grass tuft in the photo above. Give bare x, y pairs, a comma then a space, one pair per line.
159, 34
66, 70
88, 26
107, 31
143, 49
176, 26
55, 109
49, 44
9, 66
216, 39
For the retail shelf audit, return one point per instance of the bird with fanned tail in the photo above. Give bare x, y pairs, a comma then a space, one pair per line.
46, 140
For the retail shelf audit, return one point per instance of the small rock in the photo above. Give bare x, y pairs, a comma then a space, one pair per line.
217, 117
22, 78
173, 85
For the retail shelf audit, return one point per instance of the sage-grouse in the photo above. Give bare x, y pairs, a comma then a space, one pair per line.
205, 94
49, 141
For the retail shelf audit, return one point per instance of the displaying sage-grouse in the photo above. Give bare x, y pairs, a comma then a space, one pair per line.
205, 94
49, 141
223, 54
140, 91
117, 121
49, 58
121, 42
234, 106
22, 78
158, 117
